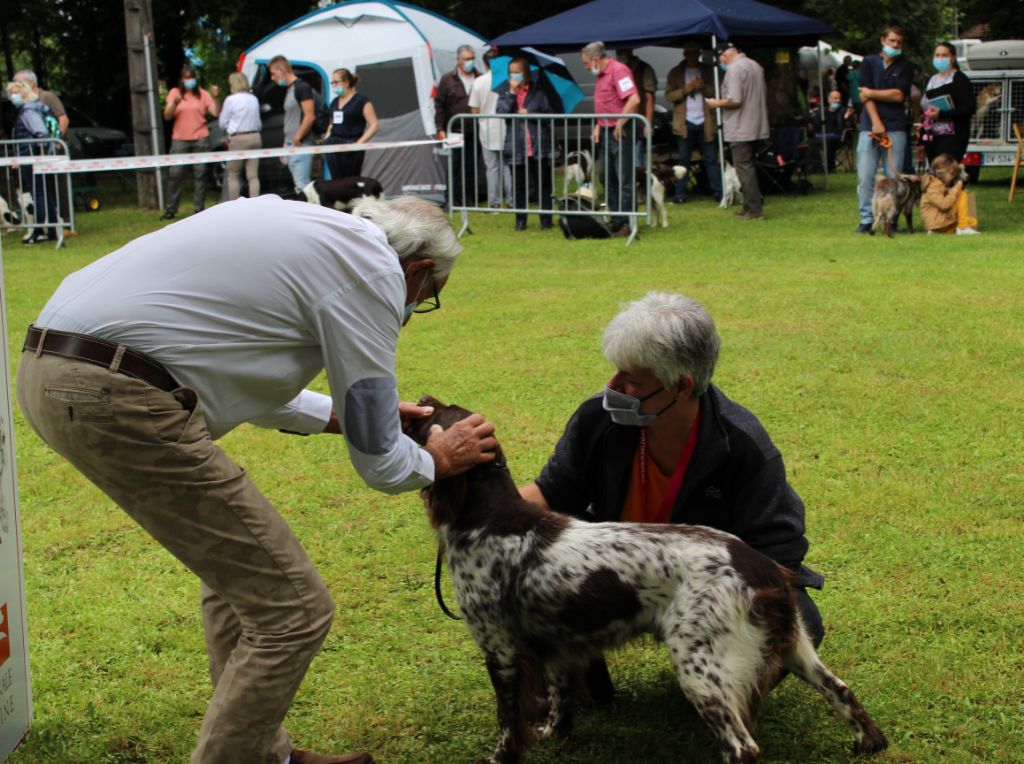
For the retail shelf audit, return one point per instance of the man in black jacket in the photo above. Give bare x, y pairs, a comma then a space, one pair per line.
662, 444
450, 99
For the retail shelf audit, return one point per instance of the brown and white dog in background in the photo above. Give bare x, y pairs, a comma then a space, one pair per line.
542, 594
988, 98
665, 176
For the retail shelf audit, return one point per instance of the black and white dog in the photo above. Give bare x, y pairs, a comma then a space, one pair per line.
543, 593
340, 193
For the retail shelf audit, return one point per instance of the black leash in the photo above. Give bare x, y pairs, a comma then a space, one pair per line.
437, 586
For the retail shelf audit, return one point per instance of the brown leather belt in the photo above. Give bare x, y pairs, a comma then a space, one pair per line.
94, 350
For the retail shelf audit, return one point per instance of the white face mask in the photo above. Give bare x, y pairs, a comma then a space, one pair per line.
625, 409
595, 69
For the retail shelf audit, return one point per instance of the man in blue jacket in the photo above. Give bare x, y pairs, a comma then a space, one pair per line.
885, 81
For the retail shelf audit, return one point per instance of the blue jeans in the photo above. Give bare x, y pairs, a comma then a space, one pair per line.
301, 167
869, 154
708, 153
618, 172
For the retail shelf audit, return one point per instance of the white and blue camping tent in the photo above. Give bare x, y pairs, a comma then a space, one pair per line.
399, 52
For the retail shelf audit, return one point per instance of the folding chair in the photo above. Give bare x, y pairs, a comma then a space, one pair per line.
782, 164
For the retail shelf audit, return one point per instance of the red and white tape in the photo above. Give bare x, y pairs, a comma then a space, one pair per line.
50, 165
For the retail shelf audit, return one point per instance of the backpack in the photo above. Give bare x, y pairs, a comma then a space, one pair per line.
581, 226
322, 118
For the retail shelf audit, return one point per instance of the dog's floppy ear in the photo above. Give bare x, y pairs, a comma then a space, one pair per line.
445, 499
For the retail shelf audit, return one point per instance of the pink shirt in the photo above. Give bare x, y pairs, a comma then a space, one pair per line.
614, 87
190, 115
520, 100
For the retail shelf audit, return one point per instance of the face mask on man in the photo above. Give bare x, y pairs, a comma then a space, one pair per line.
17, 100
338, 90
942, 64
468, 66
834, 106
724, 67
890, 51
283, 82
595, 69
189, 84
625, 409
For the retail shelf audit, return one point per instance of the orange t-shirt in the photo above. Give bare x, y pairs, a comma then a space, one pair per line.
190, 115
651, 492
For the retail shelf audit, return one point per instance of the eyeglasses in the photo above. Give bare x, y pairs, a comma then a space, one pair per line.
430, 303
337, 82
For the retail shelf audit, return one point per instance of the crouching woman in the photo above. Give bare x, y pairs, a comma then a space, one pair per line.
945, 205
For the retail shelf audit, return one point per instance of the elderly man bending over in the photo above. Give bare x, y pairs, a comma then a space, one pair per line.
142, 359
662, 444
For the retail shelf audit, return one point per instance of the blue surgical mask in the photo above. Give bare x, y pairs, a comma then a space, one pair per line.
724, 67
17, 100
625, 409
467, 66
189, 84
834, 106
339, 90
891, 52
515, 77
942, 64
282, 82
407, 312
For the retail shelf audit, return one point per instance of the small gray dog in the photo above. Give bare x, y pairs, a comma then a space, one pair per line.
893, 197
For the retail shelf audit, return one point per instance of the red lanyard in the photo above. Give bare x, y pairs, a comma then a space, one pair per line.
665, 510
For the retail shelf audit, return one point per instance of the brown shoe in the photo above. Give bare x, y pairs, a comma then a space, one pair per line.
307, 757
754, 216
622, 231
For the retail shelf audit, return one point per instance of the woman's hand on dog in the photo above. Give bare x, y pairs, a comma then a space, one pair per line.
464, 445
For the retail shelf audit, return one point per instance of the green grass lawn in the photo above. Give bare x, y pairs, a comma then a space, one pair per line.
888, 372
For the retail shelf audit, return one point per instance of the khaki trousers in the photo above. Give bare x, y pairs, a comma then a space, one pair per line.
266, 610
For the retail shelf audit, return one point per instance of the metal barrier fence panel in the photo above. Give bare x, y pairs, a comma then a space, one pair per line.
596, 161
39, 205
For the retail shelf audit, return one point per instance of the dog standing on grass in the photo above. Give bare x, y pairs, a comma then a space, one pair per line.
542, 593
893, 197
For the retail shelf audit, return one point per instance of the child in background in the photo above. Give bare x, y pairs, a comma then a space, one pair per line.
945, 206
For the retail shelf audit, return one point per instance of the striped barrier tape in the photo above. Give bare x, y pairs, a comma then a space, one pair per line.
52, 165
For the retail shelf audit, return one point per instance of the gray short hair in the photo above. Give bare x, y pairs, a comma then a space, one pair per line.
463, 48
27, 75
594, 50
416, 229
666, 334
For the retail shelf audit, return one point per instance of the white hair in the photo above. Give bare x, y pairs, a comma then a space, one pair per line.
594, 50
26, 75
416, 229
666, 334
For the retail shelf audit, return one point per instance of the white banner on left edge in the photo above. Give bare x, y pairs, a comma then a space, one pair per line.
58, 165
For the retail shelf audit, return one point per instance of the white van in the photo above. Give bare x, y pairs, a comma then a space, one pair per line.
996, 72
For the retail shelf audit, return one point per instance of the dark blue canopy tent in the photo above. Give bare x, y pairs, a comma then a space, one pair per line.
635, 23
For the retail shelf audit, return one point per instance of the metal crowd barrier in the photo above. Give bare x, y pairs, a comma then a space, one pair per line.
566, 146
35, 202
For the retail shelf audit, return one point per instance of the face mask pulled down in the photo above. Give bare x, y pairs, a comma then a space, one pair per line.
625, 409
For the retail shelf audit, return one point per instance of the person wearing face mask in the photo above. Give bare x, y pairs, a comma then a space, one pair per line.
33, 128
450, 99
528, 145
186, 108
353, 120
834, 125
662, 444
948, 103
299, 118
745, 115
256, 299
614, 139
885, 82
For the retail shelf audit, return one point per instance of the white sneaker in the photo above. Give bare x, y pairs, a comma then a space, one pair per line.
967, 232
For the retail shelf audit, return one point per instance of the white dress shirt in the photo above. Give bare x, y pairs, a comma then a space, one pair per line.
240, 114
245, 304
492, 131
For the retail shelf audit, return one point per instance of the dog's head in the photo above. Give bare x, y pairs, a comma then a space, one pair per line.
445, 498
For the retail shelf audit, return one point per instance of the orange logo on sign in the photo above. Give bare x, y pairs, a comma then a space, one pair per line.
5, 636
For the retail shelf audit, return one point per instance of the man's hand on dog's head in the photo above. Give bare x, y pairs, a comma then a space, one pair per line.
464, 445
